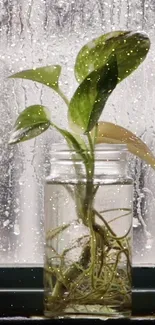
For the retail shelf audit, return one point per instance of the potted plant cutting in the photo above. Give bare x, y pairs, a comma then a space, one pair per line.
95, 283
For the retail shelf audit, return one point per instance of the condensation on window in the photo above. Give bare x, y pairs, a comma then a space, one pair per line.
36, 33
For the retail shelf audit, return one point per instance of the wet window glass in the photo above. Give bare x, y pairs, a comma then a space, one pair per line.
36, 33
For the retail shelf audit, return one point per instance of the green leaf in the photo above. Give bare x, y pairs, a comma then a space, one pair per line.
31, 122
90, 97
111, 133
130, 49
74, 143
48, 75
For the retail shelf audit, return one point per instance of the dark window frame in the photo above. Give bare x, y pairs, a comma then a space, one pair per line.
21, 291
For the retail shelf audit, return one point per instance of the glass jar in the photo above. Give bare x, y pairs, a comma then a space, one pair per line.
88, 235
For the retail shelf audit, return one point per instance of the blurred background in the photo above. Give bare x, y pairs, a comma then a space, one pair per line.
35, 33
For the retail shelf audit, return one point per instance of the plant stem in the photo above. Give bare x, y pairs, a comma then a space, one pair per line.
59, 91
89, 207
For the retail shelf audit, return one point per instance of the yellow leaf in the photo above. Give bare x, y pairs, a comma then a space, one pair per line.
112, 133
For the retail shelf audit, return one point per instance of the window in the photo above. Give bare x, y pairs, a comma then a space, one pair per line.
37, 33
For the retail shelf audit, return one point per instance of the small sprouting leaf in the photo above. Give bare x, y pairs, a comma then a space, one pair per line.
111, 133
48, 75
30, 123
130, 49
90, 97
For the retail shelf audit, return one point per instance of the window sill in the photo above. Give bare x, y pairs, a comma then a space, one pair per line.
44, 321
21, 294
27, 302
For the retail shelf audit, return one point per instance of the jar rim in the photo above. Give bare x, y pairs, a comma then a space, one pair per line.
63, 147
103, 152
